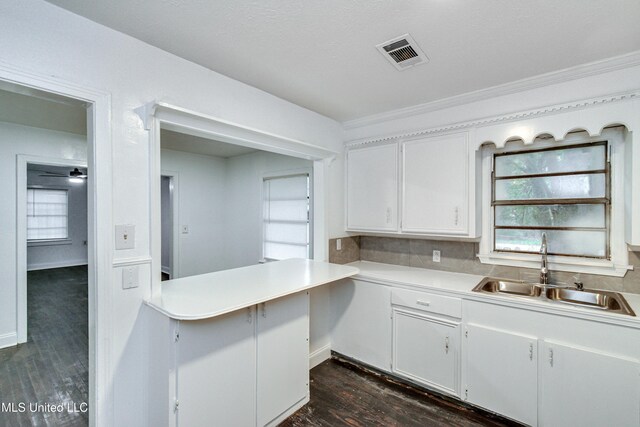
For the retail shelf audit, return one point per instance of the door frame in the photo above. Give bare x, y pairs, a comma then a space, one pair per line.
99, 223
174, 264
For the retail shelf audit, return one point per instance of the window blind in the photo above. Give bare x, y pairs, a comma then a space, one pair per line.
47, 212
286, 224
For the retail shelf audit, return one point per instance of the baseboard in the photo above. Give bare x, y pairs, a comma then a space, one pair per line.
8, 340
319, 356
57, 264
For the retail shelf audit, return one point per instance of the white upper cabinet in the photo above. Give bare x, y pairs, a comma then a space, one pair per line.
372, 188
430, 180
435, 185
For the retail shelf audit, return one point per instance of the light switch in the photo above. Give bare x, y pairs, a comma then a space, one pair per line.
125, 236
130, 277
436, 256
185, 229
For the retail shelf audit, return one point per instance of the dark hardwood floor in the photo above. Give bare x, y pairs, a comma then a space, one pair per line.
343, 394
52, 366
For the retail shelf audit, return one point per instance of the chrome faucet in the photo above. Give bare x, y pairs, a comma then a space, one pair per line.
544, 270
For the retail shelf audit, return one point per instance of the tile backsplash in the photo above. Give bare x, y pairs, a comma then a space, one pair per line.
461, 257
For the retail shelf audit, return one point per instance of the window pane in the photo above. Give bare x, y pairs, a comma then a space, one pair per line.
286, 210
551, 187
282, 251
287, 233
551, 215
46, 214
551, 161
584, 243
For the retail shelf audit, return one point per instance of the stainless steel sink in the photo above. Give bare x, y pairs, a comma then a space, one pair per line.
591, 298
512, 287
597, 299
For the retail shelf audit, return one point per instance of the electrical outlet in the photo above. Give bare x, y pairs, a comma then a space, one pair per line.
436, 256
185, 229
338, 244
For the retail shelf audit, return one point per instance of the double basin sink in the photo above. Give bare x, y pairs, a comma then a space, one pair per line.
596, 299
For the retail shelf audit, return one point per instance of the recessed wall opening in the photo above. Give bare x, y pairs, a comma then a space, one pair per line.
226, 206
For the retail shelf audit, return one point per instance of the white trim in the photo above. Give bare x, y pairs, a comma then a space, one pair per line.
127, 262
22, 161
320, 355
487, 123
585, 70
99, 226
617, 266
8, 340
156, 116
57, 264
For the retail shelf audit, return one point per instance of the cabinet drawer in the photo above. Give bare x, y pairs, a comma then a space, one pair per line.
427, 302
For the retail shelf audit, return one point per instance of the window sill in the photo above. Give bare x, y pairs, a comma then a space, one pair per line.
50, 242
558, 263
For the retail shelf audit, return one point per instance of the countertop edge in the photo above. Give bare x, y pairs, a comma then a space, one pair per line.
549, 308
202, 316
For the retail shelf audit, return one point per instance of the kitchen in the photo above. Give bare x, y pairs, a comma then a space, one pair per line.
420, 192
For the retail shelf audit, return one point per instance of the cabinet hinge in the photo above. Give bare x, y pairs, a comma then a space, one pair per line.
466, 333
176, 406
176, 336
466, 393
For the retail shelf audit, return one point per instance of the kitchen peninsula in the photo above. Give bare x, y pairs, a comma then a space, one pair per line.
233, 346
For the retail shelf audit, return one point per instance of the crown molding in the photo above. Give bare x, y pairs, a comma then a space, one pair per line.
520, 115
554, 77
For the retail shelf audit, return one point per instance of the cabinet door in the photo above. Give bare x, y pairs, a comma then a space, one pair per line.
283, 356
216, 370
584, 387
361, 322
372, 188
501, 371
425, 350
435, 184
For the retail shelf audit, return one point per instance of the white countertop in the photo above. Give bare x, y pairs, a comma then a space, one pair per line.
462, 285
214, 294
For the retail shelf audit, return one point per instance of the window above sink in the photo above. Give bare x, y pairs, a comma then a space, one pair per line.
572, 189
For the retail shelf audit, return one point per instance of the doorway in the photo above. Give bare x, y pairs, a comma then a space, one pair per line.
17, 155
167, 219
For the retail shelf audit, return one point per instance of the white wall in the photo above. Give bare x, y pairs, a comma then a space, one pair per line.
41, 38
14, 140
75, 252
201, 194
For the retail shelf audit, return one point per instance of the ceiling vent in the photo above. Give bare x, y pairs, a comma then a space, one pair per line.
403, 52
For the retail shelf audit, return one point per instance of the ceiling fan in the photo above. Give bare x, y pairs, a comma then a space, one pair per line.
76, 175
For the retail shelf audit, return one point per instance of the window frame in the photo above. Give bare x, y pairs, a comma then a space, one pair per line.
310, 227
51, 241
605, 201
618, 137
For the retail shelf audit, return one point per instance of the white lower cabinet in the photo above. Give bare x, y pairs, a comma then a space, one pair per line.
361, 322
425, 349
426, 339
283, 357
246, 368
501, 372
587, 387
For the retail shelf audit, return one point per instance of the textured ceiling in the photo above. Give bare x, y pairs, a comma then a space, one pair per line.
321, 54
